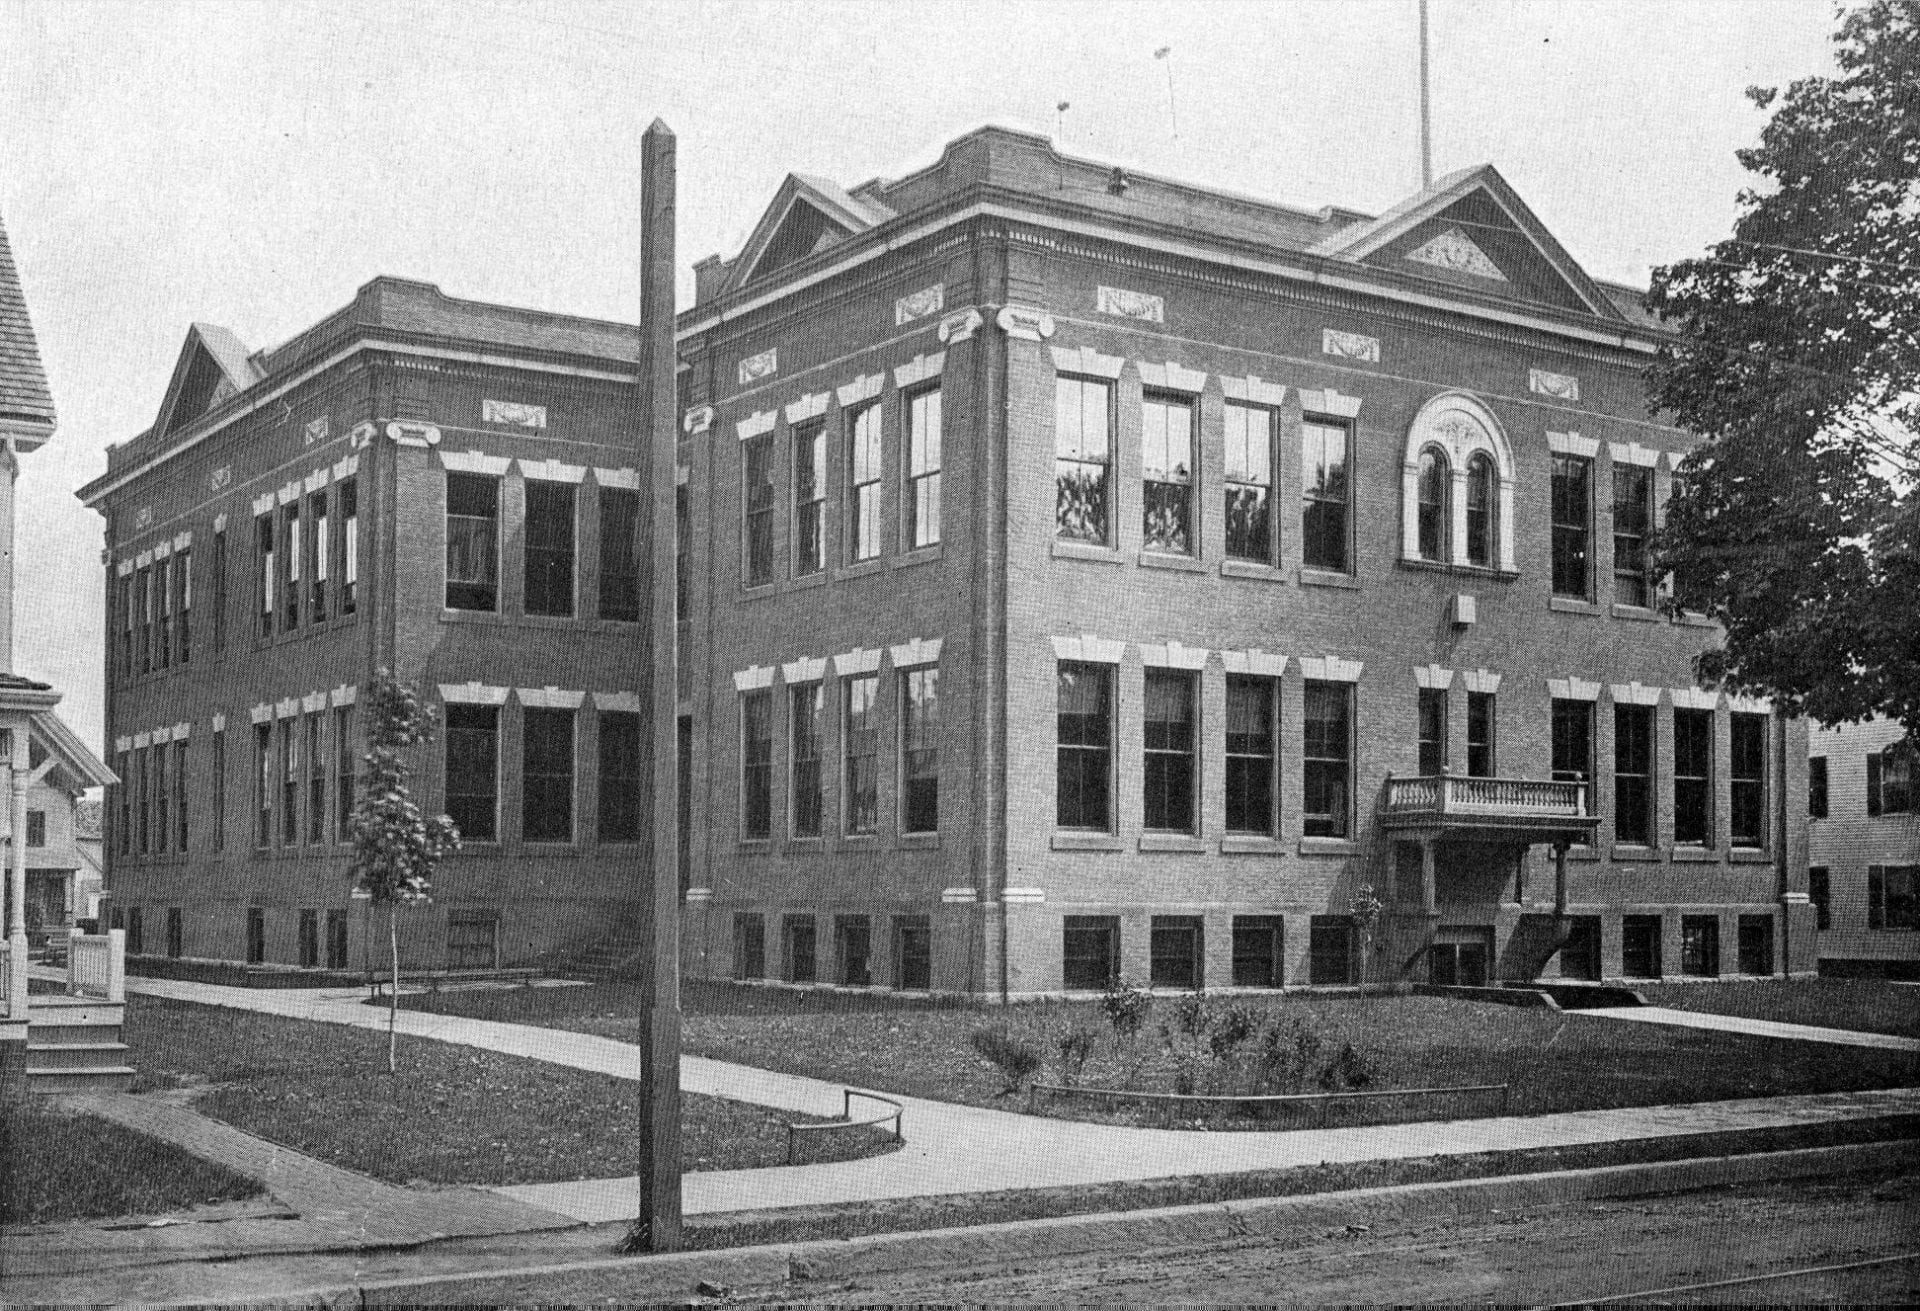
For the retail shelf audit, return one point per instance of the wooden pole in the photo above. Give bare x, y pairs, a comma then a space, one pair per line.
657, 1228
1426, 112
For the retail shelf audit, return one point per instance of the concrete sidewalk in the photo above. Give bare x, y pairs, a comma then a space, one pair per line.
1751, 1028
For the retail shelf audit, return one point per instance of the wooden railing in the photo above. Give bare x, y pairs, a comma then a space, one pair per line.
97, 965
6, 979
1457, 794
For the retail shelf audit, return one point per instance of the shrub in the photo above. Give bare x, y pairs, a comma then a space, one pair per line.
1017, 1061
1076, 1048
1230, 1030
1126, 1008
1347, 1071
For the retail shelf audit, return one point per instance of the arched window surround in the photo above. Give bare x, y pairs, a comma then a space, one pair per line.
1458, 425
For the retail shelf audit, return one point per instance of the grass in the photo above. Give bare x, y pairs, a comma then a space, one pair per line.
1868, 1005
60, 1165
453, 1115
1553, 1062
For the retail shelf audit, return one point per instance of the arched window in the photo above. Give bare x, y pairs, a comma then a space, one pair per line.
1433, 504
1480, 503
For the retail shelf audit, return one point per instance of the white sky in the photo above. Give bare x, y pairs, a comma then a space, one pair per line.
251, 164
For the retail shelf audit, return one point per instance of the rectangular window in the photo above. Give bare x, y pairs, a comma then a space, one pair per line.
1572, 524
1258, 943
1817, 787
797, 932
1167, 475
256, 935
322, 558
549, 537
806, 706
920, 750
348, 499
143, 585
1893, 897
1326, 491
1090, 951
289, 782
219, 591
1580, 953
1083, 459
343, 773
1167, 772
1572, 741
1482, 762
1693, 777
175, 945
1174, 952
180, 796
912, 953
473, 770
809, 498
863, 484
860, 738
316, 732
473, 542
923, 468
1820, 893
162, 796
290, 545
1756, 944
1249, 477
136, 940
1432, 718
129, 609
1085, 750
36, 828
1747, 801
853, 950
1330, 946
163, 606
123, 766
266, 569
756, 765
1633, 775
620, 782
546, 775
220, 790
1700, 945
336, 939
1328, 764
263, 785
183, 581
1640, 946
1252, 756
749, 945
620, 553
145, 843
682, 558
1632, 523
309, 938
756, 504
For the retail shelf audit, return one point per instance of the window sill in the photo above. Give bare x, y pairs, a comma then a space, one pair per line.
1486, 571
755, 846
860, 842
919, 555
816, 579
1749, 856
755, 591
805, 846
1568, 605
1251, 569
548, 850
1327, 846
1638, 613
1325, 578
1634, 851
1085, 551
1162, 560
1250, 845
861, 567
919, 842
1184, 842
1580, 851
450, 616
1087, 842
489, 847
1695, 856
544, 621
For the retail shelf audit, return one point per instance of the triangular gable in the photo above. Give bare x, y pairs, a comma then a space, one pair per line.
808, 214
1471, 230
213, 366
52, 737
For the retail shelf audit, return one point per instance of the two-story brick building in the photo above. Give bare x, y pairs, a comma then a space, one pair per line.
1095, 574
1863, 875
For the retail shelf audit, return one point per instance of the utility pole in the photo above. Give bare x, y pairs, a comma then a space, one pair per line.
657, 1228
1426, 111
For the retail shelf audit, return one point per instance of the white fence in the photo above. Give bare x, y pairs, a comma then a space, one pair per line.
6, 979
97, 965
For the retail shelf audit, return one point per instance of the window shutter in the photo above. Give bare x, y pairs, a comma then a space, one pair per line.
1873, 785
1876, 896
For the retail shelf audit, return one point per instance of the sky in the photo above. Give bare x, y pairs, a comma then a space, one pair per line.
251, 164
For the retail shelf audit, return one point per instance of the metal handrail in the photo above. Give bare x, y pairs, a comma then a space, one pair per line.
1322, 1099
846, 1120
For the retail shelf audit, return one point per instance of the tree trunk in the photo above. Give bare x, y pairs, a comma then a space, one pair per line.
393, 991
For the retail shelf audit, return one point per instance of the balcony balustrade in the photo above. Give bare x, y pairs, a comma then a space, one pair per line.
1455, 801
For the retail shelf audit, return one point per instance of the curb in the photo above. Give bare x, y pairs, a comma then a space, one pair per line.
678, 1276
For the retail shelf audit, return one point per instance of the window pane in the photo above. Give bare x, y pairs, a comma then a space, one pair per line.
1693, 776
1480, 510
620, 783
1748, 767
1572, 517
860, 740
473, 769
1432, 480
1632, 520
756, 765
807, 703
1324, 484
1432, 730
923, 469
1168, 770
620, 553
1480, 735
1327, 781
1167, 473
1250, 743
809, 499
863, 504
1083, 459
757, 507
920, 748
473, 535
1633, 774
549, 538
1084, 726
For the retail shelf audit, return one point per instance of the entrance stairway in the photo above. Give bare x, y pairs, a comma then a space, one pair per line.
610, 956
74, 1046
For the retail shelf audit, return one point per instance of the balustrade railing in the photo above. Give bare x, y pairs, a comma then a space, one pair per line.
1458, 794
6, 980
97, 965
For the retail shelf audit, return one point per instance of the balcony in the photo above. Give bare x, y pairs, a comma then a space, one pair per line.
1526, 809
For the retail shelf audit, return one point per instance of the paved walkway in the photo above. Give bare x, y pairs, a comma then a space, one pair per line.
959, 1149
1752, 1028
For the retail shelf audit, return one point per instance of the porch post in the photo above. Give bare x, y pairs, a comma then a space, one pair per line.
1429, 900
1560, 880
17, 876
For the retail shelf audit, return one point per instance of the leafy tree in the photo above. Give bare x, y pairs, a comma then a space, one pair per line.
1795, 523
395, 847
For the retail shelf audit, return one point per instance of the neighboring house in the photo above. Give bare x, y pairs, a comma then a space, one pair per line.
442, 488
1094, 574
91, 882
1864, 851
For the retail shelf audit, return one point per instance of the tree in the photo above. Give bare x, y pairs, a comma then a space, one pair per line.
1795, 523
395, 847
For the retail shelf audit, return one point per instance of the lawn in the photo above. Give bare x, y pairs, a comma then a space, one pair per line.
1552, 1061
60, 1165
1869, 1005
453, 1115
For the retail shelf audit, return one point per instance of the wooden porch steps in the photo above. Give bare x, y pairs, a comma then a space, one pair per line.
74, 1045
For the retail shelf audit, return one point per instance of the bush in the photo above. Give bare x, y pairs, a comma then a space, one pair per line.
1076, 1048
1126, 1008
1017, 1061
1230, 1030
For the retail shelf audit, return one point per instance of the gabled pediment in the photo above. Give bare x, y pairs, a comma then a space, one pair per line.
808, 214
212, 367
1471, 230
